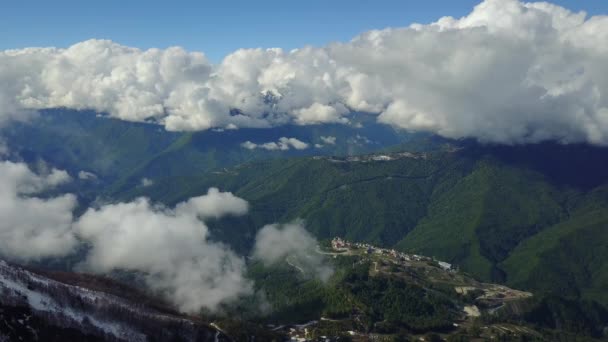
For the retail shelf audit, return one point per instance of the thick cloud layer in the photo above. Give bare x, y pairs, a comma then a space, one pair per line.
283, 144
31, 227
291, 242
509, 72
170, 246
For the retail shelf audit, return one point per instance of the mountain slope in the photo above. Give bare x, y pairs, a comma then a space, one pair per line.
83, 141
36, 308
347, 196
476, 207
200, 152
570, 257
484, 216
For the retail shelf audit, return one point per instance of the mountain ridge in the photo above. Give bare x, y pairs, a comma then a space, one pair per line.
35, 307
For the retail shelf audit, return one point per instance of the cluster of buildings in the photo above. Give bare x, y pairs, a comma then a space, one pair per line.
340, 244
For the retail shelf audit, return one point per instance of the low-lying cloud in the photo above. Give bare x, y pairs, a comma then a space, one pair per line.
292, 243
328, 140
283, 144
170, 246
86, 176
508, 72
32, 228
145, 182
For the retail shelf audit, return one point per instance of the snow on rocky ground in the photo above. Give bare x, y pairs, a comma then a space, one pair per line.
18, 285
70, 306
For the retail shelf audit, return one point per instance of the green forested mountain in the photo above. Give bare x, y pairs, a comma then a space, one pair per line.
498, 216
534, 217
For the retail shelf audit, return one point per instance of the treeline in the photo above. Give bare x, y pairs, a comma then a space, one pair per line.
552, 313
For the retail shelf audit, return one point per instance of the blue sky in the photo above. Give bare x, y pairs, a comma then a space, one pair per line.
219, 27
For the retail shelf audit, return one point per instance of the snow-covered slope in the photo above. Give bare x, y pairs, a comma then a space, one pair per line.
34, 307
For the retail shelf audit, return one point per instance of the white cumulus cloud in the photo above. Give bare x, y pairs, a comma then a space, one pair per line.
283, 144
146, 182
85, 175
170, 246
320, 113
34, 227
292, 243
508, 72
329, 140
